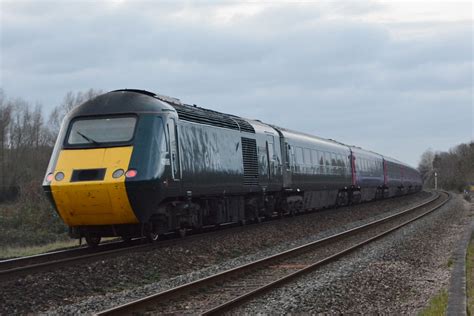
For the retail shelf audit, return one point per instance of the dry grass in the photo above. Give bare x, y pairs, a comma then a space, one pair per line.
14, 252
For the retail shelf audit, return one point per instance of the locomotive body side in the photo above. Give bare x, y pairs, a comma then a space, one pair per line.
220, 176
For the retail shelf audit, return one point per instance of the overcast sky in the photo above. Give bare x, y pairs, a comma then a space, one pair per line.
393, 77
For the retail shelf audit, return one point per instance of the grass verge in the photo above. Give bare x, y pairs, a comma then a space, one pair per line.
470, 278
13, 252
21, 251
437, 305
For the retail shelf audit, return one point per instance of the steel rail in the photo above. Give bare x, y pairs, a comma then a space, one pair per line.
17, 262
15, 267
181, 291
10, 268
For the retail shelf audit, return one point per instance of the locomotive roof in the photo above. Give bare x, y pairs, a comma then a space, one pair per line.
119, 102
193, 113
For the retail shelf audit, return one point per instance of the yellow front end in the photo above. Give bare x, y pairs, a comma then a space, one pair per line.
98, 202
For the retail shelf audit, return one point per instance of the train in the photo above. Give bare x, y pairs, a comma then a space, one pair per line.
132, 163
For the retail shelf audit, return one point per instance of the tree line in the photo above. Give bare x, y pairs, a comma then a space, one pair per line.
454, 168
27, 137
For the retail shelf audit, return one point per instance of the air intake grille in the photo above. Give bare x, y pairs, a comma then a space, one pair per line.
250, 158
244, 125
209, 117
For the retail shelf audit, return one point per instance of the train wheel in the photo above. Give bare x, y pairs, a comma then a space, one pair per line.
126, 239
93, 241
152, 237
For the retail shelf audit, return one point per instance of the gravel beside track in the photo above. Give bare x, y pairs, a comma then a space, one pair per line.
216, 291
97, 285
398, 274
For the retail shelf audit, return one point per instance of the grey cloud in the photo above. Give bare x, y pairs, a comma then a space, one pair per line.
287, 65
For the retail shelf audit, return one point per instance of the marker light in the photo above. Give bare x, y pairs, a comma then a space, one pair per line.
59, 176
49, 177
117, 173
131, 173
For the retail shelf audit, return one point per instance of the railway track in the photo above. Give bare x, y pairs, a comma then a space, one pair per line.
17, 267
221, 292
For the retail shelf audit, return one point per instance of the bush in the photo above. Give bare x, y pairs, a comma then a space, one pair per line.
31, 220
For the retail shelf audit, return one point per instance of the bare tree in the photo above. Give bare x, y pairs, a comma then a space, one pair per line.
455, 168
426, 166
70, 101
5, 118
25, 145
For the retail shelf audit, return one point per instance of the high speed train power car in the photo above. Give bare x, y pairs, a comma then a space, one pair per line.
133, 163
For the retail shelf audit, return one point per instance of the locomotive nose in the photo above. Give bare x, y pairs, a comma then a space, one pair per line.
88, 186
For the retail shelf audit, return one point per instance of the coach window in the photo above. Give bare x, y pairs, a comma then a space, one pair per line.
321, 162
314, 158
307, 156
333, 164
327, 158
345, 165
299, 158
314, 161
340, 164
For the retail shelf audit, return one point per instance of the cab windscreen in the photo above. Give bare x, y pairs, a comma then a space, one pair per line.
99, 131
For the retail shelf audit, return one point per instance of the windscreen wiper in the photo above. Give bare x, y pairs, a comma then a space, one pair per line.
90, 140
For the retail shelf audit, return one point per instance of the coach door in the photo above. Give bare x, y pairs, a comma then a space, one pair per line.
288, 157
174, 152
271, 157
